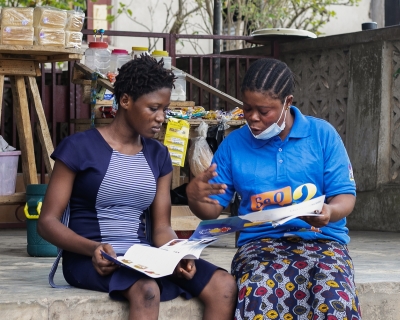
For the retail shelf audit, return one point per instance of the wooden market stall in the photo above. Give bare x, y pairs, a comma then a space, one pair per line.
21, 64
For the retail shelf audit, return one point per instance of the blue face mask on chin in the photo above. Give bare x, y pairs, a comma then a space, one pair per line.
273, 130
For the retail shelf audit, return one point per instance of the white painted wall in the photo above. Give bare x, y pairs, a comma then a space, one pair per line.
349, 18
156, 23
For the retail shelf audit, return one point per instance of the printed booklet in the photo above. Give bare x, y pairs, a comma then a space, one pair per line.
219, 227
161, 262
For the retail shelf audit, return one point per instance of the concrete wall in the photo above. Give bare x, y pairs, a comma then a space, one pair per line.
349, 81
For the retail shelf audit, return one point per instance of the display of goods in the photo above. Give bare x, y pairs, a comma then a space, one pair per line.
16, 35
49, 37
18, 17
73, 39
49, 17
176, 140
75, 20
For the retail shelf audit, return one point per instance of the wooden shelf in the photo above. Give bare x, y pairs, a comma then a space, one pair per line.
16, 198
39, 53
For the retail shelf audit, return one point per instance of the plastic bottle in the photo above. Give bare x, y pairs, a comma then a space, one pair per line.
158, 55
97, 57
179, 92
118, 58
137, 51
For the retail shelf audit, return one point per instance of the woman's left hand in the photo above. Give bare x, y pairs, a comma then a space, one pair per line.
186, 268
322, 220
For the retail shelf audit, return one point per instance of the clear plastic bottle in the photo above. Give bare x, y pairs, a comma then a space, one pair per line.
118, 58
97, 57
137, 51
158, 55
179, 92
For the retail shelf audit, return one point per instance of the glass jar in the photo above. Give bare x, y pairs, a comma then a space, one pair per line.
158, 55
97, 57
137, 51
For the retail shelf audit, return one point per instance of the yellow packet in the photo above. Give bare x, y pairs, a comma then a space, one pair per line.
176, 140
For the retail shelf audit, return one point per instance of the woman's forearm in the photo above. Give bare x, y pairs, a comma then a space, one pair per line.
341, 206
53, 231
205, 211
163, 235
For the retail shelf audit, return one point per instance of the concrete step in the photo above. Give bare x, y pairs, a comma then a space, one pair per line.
25, 293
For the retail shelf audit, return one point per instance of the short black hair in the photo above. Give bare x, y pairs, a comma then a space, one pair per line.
141, 76
270, 76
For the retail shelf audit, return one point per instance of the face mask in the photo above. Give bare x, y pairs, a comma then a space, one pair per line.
273, 130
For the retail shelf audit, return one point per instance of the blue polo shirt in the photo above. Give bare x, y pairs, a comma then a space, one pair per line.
267, 174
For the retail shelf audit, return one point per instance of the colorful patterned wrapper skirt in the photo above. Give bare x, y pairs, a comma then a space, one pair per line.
291, 278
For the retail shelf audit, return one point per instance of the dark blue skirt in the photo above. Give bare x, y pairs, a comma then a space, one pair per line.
79, 272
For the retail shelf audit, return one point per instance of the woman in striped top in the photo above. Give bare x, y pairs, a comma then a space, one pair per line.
110, 176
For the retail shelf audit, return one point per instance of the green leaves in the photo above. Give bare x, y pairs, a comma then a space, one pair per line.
396, 74
309, 15
61, 4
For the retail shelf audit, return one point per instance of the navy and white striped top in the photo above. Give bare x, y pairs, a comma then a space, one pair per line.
111, 190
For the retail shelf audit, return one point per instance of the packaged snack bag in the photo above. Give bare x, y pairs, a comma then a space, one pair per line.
16, 35
49, 37
176, 140
73, 39
17, 17
49, 17
75, 20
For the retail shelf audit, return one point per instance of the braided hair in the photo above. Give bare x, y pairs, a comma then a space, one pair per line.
269, 76
141, 76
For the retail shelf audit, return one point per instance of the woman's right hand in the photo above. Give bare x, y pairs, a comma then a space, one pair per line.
101, 264
199, 189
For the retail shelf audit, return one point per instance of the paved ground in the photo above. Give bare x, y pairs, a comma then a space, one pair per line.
23, 278
375, 255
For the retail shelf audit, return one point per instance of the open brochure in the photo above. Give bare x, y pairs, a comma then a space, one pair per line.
218, 227
160, 262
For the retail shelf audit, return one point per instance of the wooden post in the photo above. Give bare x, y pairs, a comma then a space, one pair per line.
21, 112
1, 94
48, 162
42, 129
176, 175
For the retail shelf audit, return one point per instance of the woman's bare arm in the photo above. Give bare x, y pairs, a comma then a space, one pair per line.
50, 226
336, 208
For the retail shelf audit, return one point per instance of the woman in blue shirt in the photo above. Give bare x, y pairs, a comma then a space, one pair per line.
301, 269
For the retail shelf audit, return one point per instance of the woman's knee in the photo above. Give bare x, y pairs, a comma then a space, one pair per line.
145, 290
222, 284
